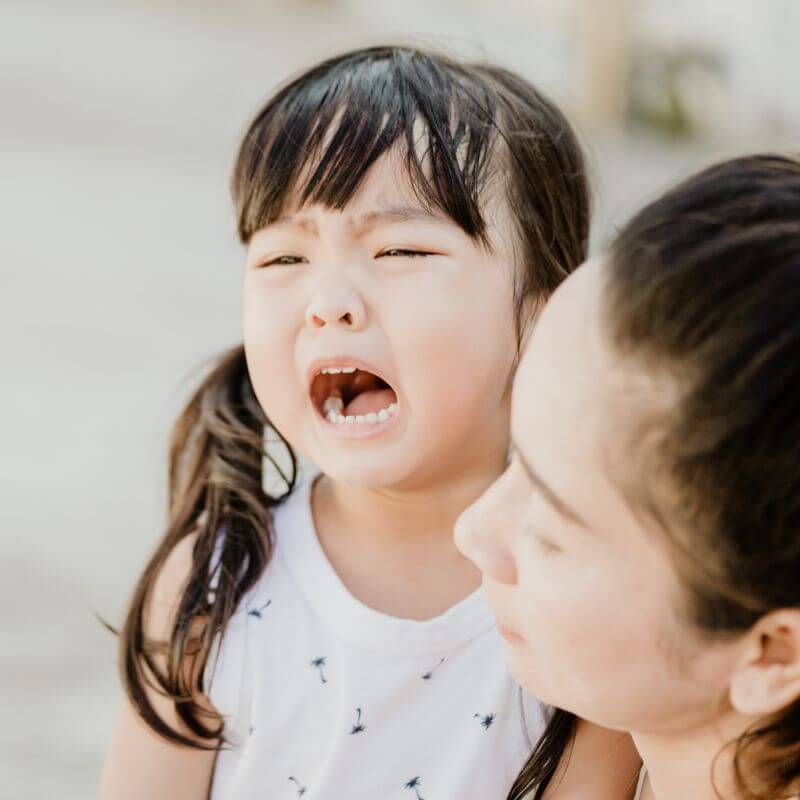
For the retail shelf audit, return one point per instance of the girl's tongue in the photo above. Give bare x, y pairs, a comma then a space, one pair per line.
370, 401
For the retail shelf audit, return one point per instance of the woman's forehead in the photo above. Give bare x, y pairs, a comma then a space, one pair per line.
563, 340
583, 411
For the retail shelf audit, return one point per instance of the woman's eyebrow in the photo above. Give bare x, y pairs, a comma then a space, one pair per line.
549, 495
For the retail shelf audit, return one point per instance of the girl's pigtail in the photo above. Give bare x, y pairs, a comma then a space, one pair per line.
215, 493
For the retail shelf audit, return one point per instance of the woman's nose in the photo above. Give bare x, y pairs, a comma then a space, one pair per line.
336, 307
480, 536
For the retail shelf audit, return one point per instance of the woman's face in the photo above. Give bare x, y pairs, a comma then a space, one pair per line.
583, 591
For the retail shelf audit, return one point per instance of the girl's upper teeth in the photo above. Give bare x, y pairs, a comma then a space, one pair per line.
337, 370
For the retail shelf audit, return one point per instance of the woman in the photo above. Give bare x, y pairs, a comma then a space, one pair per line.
642, 552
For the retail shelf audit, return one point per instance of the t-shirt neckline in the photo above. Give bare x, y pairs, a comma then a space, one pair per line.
298, 544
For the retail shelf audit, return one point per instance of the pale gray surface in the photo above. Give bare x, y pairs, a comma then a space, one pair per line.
120, 274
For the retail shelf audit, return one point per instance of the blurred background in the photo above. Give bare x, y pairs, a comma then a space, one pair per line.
120, 270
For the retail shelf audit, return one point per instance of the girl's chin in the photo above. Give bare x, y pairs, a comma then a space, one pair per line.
368, 470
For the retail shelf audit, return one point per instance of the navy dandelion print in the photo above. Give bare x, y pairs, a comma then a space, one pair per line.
486, 722
301, 790
358, 727
414, 784
428, 675
256, 612
319, 663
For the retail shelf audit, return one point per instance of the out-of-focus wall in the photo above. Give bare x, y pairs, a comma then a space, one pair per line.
750, 86
119, 269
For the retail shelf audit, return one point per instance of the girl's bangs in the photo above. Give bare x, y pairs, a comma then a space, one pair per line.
316, 140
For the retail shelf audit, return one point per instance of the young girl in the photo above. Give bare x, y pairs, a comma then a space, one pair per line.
642, 553
404, 215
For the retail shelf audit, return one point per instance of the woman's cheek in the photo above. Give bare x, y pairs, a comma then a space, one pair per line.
564, 610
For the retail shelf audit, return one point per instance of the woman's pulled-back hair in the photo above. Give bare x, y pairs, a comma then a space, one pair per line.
462, 129
705, 284
703, 290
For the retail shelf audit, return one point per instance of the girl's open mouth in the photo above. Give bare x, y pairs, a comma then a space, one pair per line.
352, 396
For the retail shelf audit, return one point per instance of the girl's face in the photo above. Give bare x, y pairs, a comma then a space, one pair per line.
584, 594
380, 338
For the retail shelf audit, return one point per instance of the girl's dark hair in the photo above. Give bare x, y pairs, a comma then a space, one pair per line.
462, 129
703, 289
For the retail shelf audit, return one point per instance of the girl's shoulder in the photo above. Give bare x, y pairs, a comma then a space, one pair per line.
173, 575
175, 570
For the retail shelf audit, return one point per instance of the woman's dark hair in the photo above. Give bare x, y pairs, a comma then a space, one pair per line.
704, 287
463, 129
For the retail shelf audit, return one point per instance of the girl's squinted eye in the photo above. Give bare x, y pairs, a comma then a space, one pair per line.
405, 253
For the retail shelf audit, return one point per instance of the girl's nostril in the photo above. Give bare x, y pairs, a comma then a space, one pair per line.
347, 318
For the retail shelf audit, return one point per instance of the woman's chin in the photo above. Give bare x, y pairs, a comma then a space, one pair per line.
532, 680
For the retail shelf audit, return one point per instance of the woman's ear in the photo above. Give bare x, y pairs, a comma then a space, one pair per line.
768, 677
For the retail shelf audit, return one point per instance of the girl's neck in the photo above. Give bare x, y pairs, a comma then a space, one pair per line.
680, 765
408, 516
393, 548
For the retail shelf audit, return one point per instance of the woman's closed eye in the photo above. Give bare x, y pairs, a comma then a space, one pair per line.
547, 546
545, 543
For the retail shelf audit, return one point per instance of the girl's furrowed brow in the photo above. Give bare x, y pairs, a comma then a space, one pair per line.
398, 214
367, 221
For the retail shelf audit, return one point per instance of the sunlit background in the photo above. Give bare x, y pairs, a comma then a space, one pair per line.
120, 269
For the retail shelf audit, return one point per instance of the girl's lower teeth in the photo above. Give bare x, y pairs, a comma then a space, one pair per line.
366, 419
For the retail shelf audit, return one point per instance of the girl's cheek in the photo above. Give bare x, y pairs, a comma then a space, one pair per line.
267, 324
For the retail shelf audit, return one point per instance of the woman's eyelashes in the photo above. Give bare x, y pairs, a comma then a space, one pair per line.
546, 545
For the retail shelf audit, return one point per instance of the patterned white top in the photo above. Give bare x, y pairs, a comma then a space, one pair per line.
326, 698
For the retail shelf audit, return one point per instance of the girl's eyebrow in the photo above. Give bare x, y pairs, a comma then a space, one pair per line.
547, 493
368, 220
399, 214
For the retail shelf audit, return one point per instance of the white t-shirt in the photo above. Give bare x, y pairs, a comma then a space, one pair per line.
328, 699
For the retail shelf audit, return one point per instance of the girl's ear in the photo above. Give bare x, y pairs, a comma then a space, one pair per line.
768, 678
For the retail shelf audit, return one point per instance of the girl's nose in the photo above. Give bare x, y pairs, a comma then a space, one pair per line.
336, 307
480, 536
